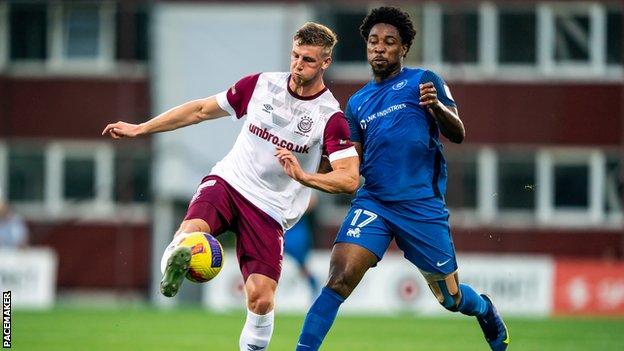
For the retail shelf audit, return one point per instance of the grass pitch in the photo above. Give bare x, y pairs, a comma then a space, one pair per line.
189, 329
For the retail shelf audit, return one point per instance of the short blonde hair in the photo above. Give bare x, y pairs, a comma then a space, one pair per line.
317, 35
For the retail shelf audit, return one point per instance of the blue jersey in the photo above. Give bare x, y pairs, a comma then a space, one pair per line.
402, 153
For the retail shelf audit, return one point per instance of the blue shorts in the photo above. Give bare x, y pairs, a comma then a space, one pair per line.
420, 228
297, 241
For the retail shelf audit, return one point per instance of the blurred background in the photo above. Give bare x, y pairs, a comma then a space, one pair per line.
535, 191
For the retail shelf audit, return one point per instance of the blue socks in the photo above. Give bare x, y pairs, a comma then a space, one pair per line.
323, 312
472, 304
319, 319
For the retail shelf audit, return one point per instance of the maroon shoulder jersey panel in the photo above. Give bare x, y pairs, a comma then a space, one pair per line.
240, 93
336, 135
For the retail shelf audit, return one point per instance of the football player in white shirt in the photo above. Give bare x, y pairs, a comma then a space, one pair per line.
262, 186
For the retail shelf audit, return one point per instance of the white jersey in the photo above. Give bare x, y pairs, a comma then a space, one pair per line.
276, 116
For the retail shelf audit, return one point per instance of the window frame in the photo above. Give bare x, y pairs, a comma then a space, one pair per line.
596, 63
488, 65
54, 205
4, 34
58, 37
433, 50
472, 215
613, 68
517, 68
56, 61
615, 215
517, 215
56, 154
547, 212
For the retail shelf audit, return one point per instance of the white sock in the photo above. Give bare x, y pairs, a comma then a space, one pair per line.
257, 332
165, 257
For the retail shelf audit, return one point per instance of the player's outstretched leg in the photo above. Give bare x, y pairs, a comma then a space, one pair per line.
319, 320
347, 266
175, 260
494, 329
175, 271
464, 299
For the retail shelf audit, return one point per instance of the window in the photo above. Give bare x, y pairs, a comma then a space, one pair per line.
516, 36
75, 179
81, 30
460, 33
516, 182
131, 34
461, 189
614, 36
28, 28
26, 174
76, 36
415, 54
4, 34
132, 176
553, 186
572, 37
614, 187
571, 186
79, 179
82, 33
346, 24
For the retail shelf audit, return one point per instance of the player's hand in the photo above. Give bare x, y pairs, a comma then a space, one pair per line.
121, 129
290, 163
429, 96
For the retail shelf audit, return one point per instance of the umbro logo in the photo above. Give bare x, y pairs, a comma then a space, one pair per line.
267, 108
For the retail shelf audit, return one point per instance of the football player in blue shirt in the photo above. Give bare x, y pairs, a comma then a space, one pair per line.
395, 120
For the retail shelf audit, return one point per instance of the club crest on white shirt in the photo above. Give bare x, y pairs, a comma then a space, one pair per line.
305, 125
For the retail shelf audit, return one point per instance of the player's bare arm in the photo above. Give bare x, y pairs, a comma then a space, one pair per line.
343, 178
448, 119
191, 112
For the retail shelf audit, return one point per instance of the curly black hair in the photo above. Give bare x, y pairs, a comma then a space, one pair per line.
393, 16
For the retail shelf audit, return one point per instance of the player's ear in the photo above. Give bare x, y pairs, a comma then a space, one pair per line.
404, 49
326, 62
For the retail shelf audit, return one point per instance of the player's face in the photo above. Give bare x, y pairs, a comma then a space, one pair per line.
307, 63
384, 49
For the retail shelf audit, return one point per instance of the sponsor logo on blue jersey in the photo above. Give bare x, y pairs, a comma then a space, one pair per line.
364, 122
